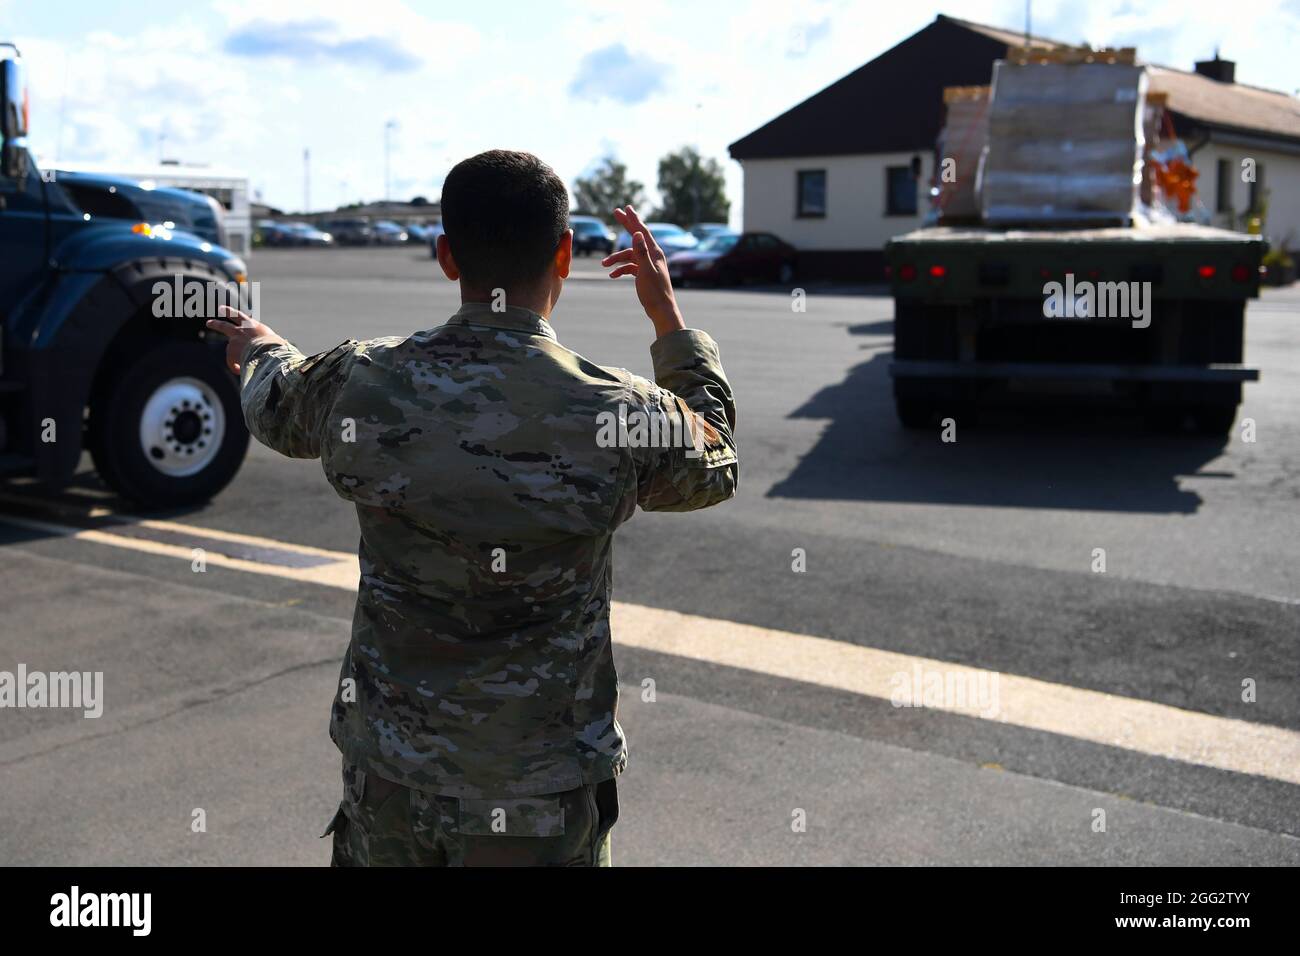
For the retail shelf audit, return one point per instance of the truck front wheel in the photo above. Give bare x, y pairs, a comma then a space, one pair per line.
167, 431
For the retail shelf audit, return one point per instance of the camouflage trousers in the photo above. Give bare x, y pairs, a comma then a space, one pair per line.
380, 823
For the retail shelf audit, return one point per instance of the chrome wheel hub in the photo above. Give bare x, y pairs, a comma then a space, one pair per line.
182, 427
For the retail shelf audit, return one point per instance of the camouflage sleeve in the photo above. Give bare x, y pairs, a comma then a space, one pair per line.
287, 396
692, 463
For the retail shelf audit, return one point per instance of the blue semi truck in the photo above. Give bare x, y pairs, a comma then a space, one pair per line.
88, 362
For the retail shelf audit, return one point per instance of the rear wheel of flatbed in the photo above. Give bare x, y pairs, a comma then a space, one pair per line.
928, 402
1214, 420
1210, 420
915, 413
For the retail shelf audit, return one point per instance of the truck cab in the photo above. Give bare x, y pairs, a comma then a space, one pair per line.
96, 351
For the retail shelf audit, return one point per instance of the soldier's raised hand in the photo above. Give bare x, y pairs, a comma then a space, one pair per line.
239, 331
648, 264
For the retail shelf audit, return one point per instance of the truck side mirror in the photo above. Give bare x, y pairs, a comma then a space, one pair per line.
13, 119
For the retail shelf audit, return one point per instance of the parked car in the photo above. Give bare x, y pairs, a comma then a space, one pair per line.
389, 233
731, 258
305, 234
417, 232
268, 232
349, 232
114, 197
591, 235
671, 238
435, 231
703, 230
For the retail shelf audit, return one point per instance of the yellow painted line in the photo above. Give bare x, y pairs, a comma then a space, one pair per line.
1127, 723
343, 572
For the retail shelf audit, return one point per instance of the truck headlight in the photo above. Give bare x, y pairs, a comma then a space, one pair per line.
236, 268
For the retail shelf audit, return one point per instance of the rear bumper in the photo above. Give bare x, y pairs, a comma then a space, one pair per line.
1065, 371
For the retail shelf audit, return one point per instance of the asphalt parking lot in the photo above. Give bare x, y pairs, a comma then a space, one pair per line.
1120, 691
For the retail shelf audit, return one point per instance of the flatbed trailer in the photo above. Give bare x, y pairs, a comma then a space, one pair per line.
978, 313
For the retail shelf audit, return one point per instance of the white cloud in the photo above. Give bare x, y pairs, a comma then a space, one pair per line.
500, 76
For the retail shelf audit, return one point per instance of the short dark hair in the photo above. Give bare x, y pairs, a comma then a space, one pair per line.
504, 214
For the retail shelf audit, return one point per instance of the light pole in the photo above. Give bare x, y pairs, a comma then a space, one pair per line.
695, 170
388, 129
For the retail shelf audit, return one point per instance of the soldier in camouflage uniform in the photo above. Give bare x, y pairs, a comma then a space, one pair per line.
477, 701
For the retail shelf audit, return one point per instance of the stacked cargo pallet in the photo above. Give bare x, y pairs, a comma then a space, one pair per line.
1065, 138
961, 147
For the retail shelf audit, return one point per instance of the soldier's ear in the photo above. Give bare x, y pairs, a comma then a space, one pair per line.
564, 254
449, 267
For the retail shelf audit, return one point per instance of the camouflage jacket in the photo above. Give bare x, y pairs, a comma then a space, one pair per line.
489, 466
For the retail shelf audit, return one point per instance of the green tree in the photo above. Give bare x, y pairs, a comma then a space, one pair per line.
606, 189
693, 189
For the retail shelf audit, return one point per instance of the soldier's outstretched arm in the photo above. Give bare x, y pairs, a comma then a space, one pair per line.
690, 391
286, 396
694, 463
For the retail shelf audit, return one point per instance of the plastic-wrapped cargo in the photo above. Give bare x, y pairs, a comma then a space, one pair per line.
964, 136
1065, 139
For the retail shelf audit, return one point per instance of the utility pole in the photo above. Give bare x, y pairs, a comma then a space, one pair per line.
306, 180
1028, 20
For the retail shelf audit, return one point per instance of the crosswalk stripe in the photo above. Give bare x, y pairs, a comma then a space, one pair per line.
1127, 723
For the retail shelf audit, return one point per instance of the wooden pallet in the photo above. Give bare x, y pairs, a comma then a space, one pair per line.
1025, 55
963, 94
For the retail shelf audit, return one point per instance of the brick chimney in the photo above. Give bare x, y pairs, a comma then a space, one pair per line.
1221, 70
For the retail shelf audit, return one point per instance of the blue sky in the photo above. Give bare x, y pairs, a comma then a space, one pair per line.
250, 85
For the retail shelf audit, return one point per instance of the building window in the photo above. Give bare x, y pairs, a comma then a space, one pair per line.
1223, 186
1257, 190
900, 191
811, 185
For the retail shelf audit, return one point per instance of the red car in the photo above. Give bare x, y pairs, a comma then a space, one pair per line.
731, 258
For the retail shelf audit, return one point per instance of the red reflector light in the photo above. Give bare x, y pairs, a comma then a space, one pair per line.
907, 272
1206, 272
938, 272
1240, 273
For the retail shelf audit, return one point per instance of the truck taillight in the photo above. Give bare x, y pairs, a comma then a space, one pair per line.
1241, 272
1206, 272
907, 272
938, 272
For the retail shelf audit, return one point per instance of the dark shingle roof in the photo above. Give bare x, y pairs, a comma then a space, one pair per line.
891, 104
1232, 106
